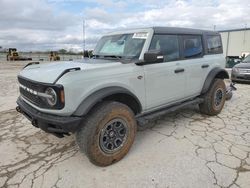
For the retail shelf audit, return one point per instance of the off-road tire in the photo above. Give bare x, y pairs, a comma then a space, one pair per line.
88, 136
208, 107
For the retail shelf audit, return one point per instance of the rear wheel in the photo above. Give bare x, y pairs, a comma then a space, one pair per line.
214, 99
108, 133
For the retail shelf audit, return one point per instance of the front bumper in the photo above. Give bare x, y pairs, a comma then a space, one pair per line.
240, 77
57, 125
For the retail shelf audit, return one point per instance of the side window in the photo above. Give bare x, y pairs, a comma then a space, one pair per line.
192, 46
214, 45
168, 45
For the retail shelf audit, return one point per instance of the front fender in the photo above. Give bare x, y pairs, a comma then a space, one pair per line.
97, 96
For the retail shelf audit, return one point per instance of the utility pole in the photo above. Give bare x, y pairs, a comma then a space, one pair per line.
83, 33
244, 40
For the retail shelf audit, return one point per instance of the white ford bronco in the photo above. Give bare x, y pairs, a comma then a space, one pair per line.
133, 77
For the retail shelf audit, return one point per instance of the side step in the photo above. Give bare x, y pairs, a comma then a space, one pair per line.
143, 119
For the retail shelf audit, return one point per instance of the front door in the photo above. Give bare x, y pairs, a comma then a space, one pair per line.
165, 82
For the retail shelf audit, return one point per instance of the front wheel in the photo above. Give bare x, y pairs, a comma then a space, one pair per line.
108, 133
214, 99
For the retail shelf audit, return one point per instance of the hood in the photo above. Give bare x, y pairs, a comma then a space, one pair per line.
49, 72
243, 65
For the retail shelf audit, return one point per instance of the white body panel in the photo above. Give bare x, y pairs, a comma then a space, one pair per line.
163, 86
80, 84
48, 72
196, 75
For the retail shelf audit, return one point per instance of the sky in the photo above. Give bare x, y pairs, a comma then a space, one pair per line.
41, 25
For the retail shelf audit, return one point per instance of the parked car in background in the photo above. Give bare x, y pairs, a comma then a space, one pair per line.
241, 71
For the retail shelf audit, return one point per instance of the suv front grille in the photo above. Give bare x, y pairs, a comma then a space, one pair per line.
244, 71
36, 100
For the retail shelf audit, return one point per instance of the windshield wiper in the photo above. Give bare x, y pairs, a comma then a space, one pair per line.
107, 56
112, 56
95, 56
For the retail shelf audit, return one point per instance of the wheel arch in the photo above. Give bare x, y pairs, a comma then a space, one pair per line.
214, 73
113, 93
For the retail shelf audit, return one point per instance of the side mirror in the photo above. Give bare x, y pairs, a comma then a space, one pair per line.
153, 56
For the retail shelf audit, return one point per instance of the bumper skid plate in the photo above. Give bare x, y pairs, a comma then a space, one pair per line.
57, 125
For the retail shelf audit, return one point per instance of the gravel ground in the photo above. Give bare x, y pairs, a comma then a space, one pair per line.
183, 149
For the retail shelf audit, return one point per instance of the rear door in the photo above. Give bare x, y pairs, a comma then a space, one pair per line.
165, 82
196, 66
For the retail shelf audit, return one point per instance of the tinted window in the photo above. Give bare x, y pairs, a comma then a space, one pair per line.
214, 44
168, 45
192, 46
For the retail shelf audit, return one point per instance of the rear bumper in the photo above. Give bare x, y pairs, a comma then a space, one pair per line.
57, 125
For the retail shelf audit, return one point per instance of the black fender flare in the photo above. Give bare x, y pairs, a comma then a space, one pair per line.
90, 101
214, 73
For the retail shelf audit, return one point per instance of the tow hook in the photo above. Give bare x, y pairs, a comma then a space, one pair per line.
34, 123
229, 91
18, 109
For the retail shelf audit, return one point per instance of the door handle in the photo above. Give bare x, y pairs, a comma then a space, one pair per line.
205, 66
179, 70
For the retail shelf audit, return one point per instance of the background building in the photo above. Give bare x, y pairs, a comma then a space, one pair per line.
236, 44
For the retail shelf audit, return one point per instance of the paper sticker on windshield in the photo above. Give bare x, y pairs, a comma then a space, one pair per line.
141, 35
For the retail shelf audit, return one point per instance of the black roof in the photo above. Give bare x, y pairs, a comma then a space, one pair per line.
179, 30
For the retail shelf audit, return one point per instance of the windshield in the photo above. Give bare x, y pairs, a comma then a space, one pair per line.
127, 46
247, 59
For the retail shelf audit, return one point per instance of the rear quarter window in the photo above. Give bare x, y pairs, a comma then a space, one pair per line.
192, 45
214, 45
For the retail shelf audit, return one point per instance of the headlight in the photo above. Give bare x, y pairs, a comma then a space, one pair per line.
52, 100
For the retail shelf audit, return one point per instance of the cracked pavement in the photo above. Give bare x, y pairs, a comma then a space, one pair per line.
183, 149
